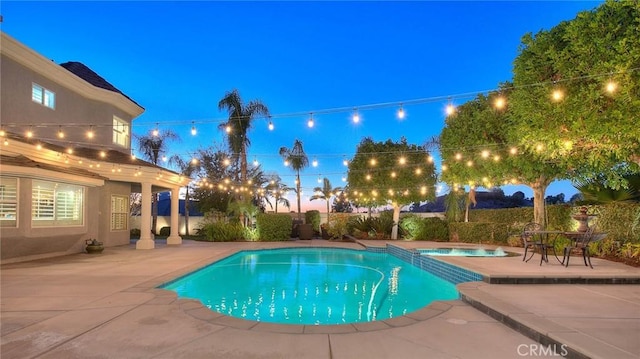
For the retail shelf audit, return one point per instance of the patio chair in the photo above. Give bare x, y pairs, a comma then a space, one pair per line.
529, 241
582, 245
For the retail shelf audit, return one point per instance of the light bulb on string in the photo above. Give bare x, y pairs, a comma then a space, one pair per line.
90, 133
345, 161
194, 161
319, 179
356, 117
310, 123
255, 162
60, 132
193, 129
228, 128
499, 103
29, 132
156, 131
401, 114
164, 158
450, 109
286, 163
611, 87
315, 162
103, 154
557, 95
270, 126
2, 133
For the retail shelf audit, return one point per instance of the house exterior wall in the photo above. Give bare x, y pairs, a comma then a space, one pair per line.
73, 113
106, 235
25, 242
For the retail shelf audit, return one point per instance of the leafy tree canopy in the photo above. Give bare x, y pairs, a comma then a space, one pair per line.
594, 63
391, 172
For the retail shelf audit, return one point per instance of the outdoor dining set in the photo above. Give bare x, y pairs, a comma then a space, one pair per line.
536, 239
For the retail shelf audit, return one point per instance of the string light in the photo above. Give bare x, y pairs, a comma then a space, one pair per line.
255, 161
557, 95
270, 126
485, 154
345, 162
60, 132
314, 163
401, 114
310, 123
611, 87
2, 133
193, 129
402, 160
90, 133
29, 133
103, 154
499, 103
286, 163
164, 158
450, 109
156, 131
194, 161
356, 116
228, 129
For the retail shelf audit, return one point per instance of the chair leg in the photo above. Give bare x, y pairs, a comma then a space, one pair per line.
587, 257
526, 247
568, 250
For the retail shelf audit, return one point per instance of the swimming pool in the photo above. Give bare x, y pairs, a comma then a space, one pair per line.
313, 286
465, 252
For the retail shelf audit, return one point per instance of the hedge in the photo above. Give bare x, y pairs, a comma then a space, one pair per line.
312, 217
274, 226
222, 232
479, 232
424, 229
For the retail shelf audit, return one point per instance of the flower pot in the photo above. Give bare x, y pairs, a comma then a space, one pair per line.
305, 231
93, 246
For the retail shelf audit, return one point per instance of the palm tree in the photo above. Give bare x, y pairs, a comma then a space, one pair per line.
325, 192
278, 191
297, 160
153, 148
238, 124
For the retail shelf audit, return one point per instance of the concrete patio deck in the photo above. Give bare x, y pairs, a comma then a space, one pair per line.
107, 306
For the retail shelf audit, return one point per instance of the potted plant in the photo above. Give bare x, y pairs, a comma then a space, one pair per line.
93, 246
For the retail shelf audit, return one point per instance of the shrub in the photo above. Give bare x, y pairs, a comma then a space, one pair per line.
338, 225
479, 232
274, 226
222, 232
312, 217
383, 225
165, 232
134, 232
359, 226
424, 229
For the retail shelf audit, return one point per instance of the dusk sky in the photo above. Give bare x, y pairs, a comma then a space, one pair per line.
178, 59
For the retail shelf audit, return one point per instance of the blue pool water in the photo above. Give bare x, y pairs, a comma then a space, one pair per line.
313, 286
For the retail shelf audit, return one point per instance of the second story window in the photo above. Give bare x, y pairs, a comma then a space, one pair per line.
43, 96
120, 132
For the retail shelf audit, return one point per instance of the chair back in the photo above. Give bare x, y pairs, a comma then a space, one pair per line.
587, 237
528, 228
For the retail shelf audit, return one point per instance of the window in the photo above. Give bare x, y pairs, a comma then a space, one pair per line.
8, 201
43, 96
120, 132
56, 204
119, 212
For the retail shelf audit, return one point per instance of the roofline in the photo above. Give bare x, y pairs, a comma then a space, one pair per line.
47, 68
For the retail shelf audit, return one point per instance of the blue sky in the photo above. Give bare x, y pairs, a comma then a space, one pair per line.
177, 60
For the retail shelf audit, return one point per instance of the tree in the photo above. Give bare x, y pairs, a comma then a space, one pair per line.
325, 192
153, 148
477, 149
297, 160
238, 125
278, 191
395, 173
214, 180
593, 61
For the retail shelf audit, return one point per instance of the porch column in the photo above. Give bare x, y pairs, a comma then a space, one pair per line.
175, 238
145, 241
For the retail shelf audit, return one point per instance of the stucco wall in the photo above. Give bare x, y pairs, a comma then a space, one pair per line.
105, 234
70, 108
26, 242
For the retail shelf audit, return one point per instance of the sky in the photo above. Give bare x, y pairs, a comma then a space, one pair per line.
178, 59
